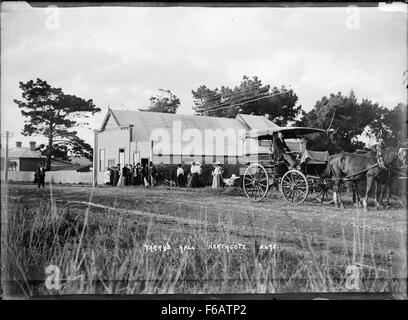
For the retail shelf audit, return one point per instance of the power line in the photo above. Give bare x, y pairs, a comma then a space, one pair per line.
216, 94
243, 97
268, 96
229, 104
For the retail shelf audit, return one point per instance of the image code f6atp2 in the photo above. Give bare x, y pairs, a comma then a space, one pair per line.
225, 309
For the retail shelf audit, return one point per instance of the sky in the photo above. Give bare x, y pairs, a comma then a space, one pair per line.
120, 56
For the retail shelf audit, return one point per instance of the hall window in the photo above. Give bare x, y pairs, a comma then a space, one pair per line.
101, 159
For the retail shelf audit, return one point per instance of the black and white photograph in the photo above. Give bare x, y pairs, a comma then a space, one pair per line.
254, 149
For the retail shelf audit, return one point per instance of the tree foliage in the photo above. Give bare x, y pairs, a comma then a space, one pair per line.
250, 97
391, 125
51, 113
346, 119
78, 148
58, 151
164, 101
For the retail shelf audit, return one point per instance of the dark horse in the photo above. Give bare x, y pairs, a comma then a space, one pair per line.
354, 167
392, 158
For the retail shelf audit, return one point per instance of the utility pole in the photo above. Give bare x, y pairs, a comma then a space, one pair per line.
4, 227
95, 159
6, 158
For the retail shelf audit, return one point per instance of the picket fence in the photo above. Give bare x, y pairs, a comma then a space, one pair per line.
55, 176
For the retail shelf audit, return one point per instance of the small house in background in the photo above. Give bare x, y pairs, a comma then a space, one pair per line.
22, 158
28, 159
24, 161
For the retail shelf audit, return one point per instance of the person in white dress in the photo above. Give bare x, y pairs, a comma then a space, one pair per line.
199, 172
216, 184
106, 176
180, 176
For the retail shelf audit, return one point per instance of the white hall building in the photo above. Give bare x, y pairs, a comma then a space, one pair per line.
130, 137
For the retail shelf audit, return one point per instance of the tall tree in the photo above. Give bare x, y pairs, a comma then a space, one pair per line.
251, 97
391, 125
51, 113
344, 118
164, 101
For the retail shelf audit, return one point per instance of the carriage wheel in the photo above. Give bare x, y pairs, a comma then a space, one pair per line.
325, 196
294, 186
255, 182
322, 191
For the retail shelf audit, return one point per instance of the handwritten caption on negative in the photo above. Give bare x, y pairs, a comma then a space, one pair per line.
228, 247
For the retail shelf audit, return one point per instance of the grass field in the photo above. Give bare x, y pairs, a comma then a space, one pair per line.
77, 240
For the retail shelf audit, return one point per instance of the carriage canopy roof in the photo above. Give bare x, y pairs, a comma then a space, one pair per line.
288, 132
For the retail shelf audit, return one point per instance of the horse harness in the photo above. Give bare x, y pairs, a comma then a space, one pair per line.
380, 163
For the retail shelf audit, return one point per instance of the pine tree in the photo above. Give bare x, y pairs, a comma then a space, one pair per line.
51, 113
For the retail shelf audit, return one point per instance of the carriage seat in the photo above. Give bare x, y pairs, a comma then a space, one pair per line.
315, 157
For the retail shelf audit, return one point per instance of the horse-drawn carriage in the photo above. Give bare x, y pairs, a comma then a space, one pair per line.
304, 180
310, 179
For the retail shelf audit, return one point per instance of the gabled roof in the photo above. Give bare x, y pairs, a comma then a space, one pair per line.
256, 122
21, 153
288, 132
144, 122
109, 115
57, 164
73, 167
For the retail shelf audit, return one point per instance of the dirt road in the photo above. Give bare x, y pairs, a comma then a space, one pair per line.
324, 225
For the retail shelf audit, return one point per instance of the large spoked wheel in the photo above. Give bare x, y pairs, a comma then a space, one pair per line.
294, 186
320, 191
325, 195
255, 182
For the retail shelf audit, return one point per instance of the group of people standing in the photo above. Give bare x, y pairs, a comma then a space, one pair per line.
193, 177
195, 173
149, 175
131, 175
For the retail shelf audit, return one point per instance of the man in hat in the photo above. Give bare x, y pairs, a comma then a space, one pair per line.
152, 174
139, 174
281, 149
180, 176
193, 175
41, 175
130, 175
111, 176
199, 173
116, 175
